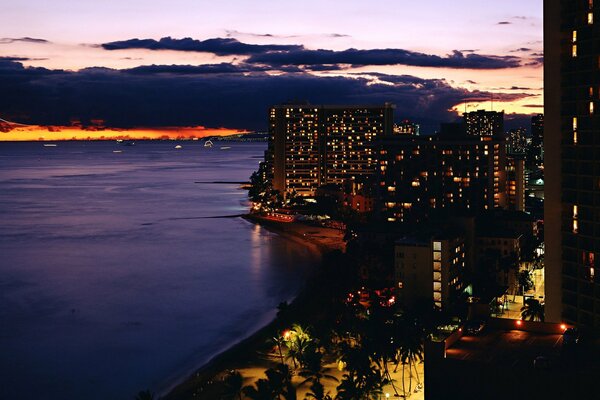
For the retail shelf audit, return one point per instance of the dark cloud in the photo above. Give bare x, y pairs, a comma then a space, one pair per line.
520, 49
504, 23
534, 105
357, 57
23, 39
222, 68
218, 46
184, 95
472, 82
294, 55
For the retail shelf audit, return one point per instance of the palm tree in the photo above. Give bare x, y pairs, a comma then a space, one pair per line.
144, 395
317, 392
532, 310
410, 352
278, 385
260, 391
350, 388
313, 370
233, 382
297, 341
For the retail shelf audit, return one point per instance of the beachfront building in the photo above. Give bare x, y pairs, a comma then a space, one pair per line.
314, 145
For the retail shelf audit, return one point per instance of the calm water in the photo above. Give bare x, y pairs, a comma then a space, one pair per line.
113, 275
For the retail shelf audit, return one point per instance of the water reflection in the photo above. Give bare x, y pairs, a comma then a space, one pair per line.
112, 278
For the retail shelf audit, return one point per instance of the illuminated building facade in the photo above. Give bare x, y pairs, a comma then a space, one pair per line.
407, 128
515, 182
537, 138
313, 146
484, 123
430, 268
572, 170
418, 174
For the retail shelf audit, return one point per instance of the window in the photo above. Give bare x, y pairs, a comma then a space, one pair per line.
574, 123
590, 18
591, 107
574, 51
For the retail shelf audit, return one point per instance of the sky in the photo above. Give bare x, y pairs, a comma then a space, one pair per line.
184, 63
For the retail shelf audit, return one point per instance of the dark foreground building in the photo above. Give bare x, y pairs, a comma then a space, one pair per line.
572, 161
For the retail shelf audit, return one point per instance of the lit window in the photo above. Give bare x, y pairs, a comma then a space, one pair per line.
590, 18
591, 107
575, 226
574, 36
574, 123
574, 211
575, 137
574, 51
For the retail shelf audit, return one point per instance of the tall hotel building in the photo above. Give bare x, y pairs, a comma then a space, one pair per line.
484, 123
312, 146
572, 168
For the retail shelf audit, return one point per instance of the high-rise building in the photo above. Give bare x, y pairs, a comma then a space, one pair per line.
484, 123
516, 141
537, 130
406, 128
430, 267
572, 170
312, 146
419, 174
515, 182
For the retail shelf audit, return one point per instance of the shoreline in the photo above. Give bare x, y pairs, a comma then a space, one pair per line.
244, 352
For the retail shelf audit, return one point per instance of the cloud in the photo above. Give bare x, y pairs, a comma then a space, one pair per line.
534, 105
504, 23
222, 68
520, 49
218, 46
23, 39
357, 57
279, 56
236, 33
187, 95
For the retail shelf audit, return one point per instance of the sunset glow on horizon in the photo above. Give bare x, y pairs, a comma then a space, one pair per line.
56, 133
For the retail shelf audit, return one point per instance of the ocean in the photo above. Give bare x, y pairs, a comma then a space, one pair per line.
124, 268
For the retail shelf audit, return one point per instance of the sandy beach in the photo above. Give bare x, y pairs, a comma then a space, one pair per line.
250, 355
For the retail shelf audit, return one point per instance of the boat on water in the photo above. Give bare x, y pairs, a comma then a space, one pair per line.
50, 145
117, 151
179, 146
208, 143
225, 147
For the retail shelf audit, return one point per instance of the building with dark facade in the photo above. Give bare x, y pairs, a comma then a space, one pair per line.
311, 146
572, 168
